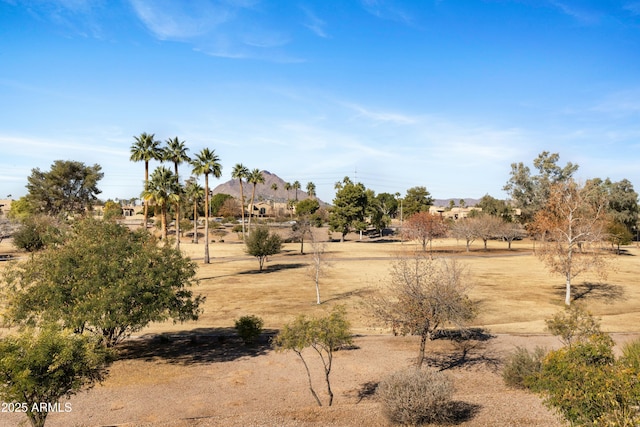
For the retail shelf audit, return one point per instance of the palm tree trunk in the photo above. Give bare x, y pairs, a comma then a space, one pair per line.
177, 211
195, 221
146, 202
206, 218
164, 223
242, 208
253, 195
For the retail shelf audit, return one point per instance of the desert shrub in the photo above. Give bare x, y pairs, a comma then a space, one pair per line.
631, 355
573, 324
38, 232
583, 380
522, 366
237, 228
414, 396
249, 328
586, 385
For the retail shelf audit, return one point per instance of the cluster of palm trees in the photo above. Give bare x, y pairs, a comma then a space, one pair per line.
163, 187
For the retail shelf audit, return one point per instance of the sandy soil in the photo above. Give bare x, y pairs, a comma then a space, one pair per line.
217, 381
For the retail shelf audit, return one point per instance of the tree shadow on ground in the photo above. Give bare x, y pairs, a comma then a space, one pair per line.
593, 291
275, 267
461, 412
344, 295
201, 345
469, 350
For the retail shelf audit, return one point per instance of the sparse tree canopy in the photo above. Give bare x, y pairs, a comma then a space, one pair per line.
529, 192
69, 188
324, 335
261, 244
424, 296
424, 227
105, 280
40, 366
111, 210
571, 226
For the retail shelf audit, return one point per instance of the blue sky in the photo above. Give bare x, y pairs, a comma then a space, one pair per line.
440, 93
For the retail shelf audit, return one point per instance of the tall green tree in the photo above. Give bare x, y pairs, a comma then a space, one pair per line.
492, 206
176, 152
68, 188
206, 163
417, 199
104, 280
162, 190
241, 172
622, 200
144, 149
41, 366
349, 207
528, 192
255, 177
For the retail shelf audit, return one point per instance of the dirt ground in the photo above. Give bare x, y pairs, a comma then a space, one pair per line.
200, 374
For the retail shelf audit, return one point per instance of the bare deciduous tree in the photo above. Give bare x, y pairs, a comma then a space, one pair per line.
424, 227
319, 264
571, 226
424, 296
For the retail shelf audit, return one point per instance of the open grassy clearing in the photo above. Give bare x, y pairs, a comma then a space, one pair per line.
514, 291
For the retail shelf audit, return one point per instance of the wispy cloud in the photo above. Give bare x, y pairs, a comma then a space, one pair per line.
223, 28
381, 116
577, 12
388, 10
633, 7
315, 24
77, 17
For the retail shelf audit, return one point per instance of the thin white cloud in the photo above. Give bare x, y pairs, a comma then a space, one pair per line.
388, 10
381, 116
315, 24
633, 7
579, 13
170, 20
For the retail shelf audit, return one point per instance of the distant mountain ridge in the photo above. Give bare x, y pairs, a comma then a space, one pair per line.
263, 191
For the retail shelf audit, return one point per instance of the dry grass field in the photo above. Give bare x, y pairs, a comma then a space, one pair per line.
200, 374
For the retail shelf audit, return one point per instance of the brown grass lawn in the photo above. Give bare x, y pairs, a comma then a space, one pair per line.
201, 375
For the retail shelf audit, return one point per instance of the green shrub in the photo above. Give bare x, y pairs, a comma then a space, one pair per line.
522, 366
573, 324
249, 328
631, 355
414, 396
237, 228
588, 387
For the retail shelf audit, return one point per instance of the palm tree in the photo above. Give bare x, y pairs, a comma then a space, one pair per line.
255, 178
311, 189
274, 187
296, 186
144, 149
206, 163
195, 193
287, 186
176, 152
239, 172
162, 190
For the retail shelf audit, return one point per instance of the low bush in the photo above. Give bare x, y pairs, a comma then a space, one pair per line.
522, 366
414, 396
249, 328
631, 355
